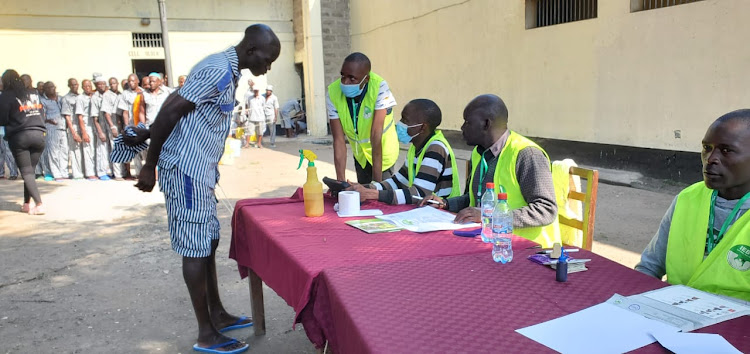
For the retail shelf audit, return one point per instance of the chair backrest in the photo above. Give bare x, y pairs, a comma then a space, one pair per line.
589, 204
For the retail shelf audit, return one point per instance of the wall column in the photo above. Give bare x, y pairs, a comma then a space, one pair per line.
314, 69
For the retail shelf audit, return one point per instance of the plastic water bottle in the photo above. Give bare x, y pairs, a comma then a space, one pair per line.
502, 229
487, 205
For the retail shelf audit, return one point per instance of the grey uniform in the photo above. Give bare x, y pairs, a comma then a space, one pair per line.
74, 148
153, 102
110, 105
126, 104
100, 106
6, 157
55, 155
83, 109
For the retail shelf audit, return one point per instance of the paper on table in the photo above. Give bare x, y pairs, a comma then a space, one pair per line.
603, 328
698, 343
425, 219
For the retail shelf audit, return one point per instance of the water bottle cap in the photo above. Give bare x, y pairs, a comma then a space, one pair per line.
502, 196
490, 185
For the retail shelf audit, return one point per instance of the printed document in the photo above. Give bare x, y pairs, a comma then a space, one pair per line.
425, 219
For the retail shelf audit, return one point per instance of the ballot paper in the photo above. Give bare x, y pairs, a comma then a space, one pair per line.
425, 219
602, 328
695, 343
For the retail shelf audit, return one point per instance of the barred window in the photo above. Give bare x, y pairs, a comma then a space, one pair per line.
542, 13
642, 5
147, 40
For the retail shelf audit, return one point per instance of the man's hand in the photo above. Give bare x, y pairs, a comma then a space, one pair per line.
146, 178
102, 136
364, 192
85, 137
467, 215
113, 131
441, 204
50, 121
141, 135
77, 138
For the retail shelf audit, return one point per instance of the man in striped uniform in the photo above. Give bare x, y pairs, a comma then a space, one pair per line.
430, 166
187, 141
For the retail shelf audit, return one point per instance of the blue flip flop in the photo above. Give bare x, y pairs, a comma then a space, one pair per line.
212, 349
237, 325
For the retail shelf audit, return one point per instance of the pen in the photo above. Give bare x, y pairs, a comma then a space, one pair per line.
431, 201
567, 250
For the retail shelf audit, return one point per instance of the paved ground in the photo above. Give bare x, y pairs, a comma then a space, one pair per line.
97, 272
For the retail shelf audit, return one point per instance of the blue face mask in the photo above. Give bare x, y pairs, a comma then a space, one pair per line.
352, 90
402, 130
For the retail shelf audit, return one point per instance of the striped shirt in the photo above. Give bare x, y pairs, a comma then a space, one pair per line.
196, 144
435, 176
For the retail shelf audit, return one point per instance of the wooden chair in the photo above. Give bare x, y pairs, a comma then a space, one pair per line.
589, 204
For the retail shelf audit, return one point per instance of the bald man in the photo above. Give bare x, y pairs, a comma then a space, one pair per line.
86, 129
704, 238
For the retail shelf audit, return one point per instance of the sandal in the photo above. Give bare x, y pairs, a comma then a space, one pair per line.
37, 210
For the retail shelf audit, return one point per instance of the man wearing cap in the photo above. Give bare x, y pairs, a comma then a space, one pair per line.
101, 119
271, 110
255, 111
86, 129
359, 108
153, 98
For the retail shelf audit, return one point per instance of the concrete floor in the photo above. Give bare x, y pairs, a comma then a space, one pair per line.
97, 274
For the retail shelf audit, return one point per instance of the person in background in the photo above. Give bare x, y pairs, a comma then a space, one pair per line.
27, 82
255, 111
187, 141
146, 82
21, 115
359, 108
114, 123
6, 157
40, 88
153, 98
56, 150
430, 166
71, 124
290, 110
271, 110
130, 104
509, 160
100, 111
86, 129
181, 81
704, 237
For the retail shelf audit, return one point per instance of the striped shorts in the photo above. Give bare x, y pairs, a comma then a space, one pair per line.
191, 212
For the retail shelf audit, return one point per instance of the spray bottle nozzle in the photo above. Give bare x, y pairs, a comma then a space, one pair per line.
309, 155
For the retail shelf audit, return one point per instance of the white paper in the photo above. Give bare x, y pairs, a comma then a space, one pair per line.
426, 219
362, 212
697, 343
603, 328
697, 302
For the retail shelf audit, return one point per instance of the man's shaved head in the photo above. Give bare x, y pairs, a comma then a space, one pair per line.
429, 111
359, 58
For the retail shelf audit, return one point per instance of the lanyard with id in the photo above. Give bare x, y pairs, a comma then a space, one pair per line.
483, 167
711, 239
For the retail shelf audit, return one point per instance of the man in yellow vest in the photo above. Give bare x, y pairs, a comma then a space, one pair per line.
359, 108
430, 166
509, 160
704, 238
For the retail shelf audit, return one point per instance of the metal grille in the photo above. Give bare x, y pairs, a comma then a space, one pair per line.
657, 4
554, 12
147, 40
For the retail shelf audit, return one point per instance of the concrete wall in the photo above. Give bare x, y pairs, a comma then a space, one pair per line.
651, 79
336, 43
58, 40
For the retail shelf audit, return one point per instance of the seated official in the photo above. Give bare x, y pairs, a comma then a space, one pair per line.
430, 166
510, 160
704, 238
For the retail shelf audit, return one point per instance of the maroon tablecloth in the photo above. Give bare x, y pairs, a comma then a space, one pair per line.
288, 250
469, 304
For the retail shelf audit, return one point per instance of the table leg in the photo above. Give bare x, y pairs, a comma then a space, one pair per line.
256, 302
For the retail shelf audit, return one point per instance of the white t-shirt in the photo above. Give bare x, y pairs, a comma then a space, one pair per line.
255, 107
385, 100
271, 104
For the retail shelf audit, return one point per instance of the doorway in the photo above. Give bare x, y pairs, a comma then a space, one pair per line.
143, 67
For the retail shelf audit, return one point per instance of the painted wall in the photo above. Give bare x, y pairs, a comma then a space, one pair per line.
57, 40
638, 79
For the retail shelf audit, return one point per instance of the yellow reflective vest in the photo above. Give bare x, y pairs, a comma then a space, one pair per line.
359, 138
726, 270
505, 175
456, 182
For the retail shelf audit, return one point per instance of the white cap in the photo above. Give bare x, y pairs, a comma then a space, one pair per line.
269, 88
100, 79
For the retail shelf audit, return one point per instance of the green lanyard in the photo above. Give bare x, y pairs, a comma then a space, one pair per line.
483, 167
711, 239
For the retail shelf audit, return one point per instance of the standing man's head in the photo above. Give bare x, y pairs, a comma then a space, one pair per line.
269, 90
73, 85
181, 80
26, 78
485, 120
101, 84
146, 82
113, 84
40, 86
256, 91
124, 84
50, 90
133, 82
726, 155
88, 89
258, 49
355, 74
419, 119
154, 81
